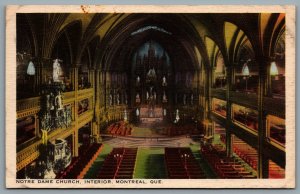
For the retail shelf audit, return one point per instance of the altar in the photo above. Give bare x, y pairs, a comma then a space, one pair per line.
149, 114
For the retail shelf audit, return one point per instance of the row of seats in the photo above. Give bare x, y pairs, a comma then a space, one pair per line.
119, 128
119, 164
221, 109
225, 167
246, 152
80, 165
275, 171
249, 120
277, 132
250, 155
181, 164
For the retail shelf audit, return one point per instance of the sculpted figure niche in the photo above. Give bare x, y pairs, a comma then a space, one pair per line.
56, 70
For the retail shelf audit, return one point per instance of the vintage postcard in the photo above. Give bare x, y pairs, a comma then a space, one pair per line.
150, 96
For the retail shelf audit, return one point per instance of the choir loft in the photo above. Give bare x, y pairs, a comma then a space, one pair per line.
175, 96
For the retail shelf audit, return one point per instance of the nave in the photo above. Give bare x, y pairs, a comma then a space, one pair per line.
132, 95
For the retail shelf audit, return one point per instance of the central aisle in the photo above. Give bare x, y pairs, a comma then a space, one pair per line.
150, 164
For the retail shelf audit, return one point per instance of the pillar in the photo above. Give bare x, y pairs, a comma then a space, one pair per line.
92, 77
268, 80
196, 96
38, 78
208, 86
74, 78
262, 161
95, 132
229, 71
37, 126
97, 97
213, 79
75, 143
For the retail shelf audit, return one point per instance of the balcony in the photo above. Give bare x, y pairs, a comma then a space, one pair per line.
278, 109
218, 93
28, 103
85, 93
246, 99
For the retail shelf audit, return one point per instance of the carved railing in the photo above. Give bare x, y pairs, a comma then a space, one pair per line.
28, 103
218, 93
68, 97
27, 155
29, 106
250, 100
86, 93
245, 99
84, 118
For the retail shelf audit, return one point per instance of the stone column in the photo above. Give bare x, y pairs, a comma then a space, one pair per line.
229, 70
268, 80
97, 94
75, 143
74, 79
38, 77
263, 74
92, 77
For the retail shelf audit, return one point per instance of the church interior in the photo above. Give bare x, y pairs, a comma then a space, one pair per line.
160, 96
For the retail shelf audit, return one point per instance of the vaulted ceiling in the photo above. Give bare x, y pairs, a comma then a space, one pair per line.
107, 41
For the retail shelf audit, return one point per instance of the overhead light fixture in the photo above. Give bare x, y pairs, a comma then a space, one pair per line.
273, 69
246, 73
245, 70
30, 68
150, 28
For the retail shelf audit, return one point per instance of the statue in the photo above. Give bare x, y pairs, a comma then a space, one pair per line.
147, 95
177, 116
118, 99
165, 97
192, 99
45, 127
151, 75
151, 88
138, 80
137, 112
44, 136
151, 112
164, 82
58, 101
68, 116
56, 70
110, 99
48, 102
154, 95
52, 101
137, 98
